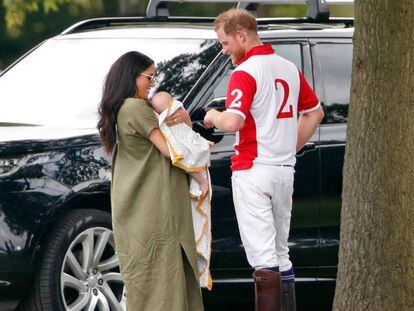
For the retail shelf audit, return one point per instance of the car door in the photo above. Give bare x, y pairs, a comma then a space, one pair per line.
228, 257
332, 63
304, 232
228, 260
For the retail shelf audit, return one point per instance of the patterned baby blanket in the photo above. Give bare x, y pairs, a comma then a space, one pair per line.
191, 152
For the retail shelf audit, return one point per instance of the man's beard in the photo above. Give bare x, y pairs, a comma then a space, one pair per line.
236, 57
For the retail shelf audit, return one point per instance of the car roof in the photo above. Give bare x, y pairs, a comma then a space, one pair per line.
207, 32
147, 31
307, 33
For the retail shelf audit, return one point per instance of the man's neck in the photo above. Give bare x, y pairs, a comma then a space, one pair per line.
252, 43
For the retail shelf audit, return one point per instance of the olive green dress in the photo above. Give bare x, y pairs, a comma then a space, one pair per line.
152, 222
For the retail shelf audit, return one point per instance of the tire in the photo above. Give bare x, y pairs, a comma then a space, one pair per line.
79, 268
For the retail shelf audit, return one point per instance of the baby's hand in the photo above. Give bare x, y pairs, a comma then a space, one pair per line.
211, 143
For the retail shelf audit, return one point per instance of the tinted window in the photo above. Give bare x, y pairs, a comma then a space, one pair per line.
291, 52
335, 61
221, 89
61, 81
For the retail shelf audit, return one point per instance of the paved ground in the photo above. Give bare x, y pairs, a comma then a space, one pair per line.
8, 306
250, 307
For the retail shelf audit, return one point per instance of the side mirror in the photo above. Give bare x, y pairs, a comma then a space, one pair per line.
216, 103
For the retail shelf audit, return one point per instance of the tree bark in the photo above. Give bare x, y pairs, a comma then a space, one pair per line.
376, 257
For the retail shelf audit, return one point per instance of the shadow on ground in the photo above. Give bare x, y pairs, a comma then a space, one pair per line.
250, 307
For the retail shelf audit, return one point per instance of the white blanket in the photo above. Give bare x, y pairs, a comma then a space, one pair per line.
191, 152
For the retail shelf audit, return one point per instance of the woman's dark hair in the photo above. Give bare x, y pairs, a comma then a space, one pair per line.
120, 83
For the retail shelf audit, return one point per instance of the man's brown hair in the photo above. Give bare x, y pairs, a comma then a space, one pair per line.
234, 20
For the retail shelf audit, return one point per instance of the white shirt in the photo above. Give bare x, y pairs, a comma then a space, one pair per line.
268, 92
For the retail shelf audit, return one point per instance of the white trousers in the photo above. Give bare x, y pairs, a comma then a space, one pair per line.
262, 198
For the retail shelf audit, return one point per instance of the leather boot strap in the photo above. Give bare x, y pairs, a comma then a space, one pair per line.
268, 290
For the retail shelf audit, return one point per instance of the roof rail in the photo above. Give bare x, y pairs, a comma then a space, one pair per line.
317, 9
98, 23
104, 22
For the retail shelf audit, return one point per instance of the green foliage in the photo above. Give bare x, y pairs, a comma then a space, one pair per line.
198, 9
39, 25
16, 10
207, 9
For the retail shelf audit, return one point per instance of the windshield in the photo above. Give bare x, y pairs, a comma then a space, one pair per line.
60, 83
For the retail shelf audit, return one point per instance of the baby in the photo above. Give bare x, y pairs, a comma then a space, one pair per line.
190, 152
192, 142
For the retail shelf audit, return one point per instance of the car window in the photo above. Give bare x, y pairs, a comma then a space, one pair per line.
291, 52
61, 81
221, 89
335, 62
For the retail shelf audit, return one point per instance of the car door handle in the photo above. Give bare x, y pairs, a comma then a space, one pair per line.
305, 148
218, 132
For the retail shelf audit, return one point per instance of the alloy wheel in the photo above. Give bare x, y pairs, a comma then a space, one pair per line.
90, 276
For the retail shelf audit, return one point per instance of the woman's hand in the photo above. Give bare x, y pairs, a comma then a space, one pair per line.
180, 116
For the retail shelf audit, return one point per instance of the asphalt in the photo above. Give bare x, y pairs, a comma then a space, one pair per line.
8, 305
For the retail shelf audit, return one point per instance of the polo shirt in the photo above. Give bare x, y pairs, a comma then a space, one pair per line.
268, 92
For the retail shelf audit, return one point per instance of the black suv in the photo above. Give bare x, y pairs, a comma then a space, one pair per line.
56, 244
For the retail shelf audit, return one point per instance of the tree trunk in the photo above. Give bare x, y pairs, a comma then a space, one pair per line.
376, 257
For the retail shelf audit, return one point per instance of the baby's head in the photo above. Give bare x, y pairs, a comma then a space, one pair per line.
160, 101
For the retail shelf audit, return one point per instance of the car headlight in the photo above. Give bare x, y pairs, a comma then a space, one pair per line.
7, 165
11, 165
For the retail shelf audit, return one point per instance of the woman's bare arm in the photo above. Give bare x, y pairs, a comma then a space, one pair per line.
158, 140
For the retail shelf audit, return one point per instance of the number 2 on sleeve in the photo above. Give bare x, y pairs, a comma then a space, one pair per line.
236, 103
284, 114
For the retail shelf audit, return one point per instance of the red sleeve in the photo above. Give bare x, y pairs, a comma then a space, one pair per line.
307, 97
240, 93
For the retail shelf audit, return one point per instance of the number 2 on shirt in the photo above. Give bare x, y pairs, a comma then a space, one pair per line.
284, 114
236, 103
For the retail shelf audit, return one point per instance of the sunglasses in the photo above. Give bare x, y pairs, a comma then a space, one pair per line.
150, 77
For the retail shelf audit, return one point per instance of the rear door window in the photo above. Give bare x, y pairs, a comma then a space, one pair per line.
291, 52
332, 65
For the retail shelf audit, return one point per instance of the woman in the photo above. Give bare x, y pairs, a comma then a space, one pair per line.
151, 212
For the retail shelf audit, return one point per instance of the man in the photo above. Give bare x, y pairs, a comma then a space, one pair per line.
265, 94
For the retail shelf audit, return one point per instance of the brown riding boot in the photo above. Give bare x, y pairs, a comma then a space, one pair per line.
268, 290
288, 296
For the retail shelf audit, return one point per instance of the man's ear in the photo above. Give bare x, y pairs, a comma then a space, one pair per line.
241, 36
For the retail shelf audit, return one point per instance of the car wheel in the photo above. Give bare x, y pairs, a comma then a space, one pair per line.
79, 268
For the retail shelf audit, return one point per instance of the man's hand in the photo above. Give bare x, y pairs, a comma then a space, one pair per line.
211, 115
307, 125
224, 121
